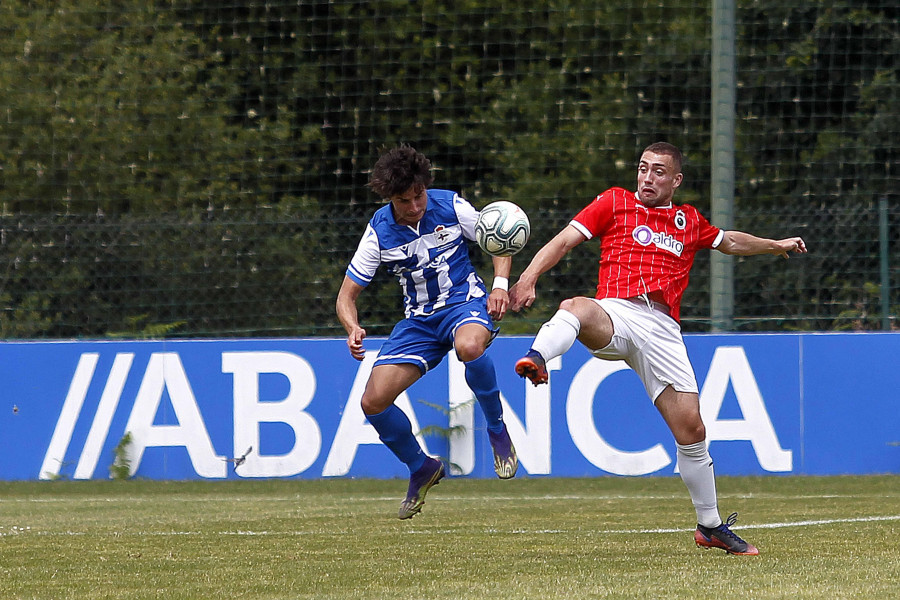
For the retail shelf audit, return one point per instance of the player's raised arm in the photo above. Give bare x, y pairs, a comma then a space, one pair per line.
498, 300
523, 292
349, 317
744, 244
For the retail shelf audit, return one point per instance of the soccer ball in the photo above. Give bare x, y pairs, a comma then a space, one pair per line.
502, 228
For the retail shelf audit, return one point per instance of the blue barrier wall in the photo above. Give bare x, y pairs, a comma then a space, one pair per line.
814, 404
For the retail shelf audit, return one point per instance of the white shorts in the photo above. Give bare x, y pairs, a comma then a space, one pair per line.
650, 342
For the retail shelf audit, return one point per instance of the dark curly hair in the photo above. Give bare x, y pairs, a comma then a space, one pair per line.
399, 169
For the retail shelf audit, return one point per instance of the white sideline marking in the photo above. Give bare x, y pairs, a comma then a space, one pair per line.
442, 498
872, 519
823, 522
768, 525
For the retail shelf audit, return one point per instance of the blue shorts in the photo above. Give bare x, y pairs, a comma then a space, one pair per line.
425, 341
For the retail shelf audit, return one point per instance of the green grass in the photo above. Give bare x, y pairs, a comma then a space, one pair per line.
526, 538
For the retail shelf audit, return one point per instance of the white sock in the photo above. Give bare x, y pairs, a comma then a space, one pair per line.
696, 468
557, 335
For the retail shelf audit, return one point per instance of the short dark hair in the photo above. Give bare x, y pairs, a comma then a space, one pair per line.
667, 149
399, 169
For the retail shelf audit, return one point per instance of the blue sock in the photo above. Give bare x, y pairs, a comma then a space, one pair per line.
395, 431
482, 379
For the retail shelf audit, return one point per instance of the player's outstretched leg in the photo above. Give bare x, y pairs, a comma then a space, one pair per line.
395, 430
722, 537
482, 380
429, 474
532, 367
554, 338
506, 463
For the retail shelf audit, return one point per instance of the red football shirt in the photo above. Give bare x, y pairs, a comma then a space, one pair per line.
644, 249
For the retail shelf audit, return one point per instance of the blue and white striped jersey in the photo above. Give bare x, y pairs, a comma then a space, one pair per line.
431, 260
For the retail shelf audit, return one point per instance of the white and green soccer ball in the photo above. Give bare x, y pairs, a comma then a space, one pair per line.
502, 228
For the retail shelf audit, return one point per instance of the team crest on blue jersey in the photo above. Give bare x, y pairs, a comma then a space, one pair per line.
440, 234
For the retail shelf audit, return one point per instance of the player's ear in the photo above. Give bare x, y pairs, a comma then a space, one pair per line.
677, 180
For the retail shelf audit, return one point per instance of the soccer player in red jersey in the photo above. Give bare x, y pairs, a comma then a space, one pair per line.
647, 247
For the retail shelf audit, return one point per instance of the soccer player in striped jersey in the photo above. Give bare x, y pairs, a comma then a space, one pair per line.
420, 237
647, 247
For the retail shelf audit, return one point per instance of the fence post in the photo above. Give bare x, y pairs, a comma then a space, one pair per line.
721, 301
883, 241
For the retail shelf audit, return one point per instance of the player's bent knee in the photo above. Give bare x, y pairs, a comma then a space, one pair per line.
470, 341
690, 434
580, 306
568, 304
469, 350
372, 405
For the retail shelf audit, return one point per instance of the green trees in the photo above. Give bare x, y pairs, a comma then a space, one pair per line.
194, 168
817, 103
129, 176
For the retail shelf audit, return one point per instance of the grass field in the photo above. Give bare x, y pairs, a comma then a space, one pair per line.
835, 537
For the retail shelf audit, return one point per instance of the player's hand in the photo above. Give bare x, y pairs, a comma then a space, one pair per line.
788, 245
354, 343
497, 303
521, 295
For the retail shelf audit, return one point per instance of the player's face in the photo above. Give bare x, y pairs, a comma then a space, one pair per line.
657, 179
409, 207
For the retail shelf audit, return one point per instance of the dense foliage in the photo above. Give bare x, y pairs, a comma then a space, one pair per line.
189, 168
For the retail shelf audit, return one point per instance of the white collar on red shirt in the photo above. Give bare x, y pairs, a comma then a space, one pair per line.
638, 198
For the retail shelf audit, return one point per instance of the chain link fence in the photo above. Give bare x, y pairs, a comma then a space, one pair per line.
266, 273
198, 169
